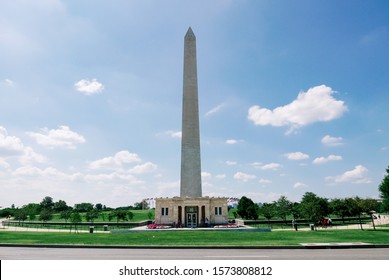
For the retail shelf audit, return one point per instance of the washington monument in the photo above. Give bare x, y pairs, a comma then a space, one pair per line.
191, 209
190, 143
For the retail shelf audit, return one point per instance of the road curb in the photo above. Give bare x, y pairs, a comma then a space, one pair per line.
59, 246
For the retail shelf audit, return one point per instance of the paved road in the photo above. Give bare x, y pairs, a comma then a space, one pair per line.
20, 253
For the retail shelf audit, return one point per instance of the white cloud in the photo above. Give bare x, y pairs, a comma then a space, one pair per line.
114, 176
220, 176
13, 146
4, 164
299, 185
257, 164
230, 162
48, 173
115, 161
29, 155
206, 175
231, 141
8, 82
9, 145
244, 177
356, 176
174, 134
315, 105
89, 87
214, 110
297, 156
264, 181
332, 141
320, 160
143, 168
271, 166
61, 137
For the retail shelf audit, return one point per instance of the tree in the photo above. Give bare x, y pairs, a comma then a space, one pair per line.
338, 207
60, 206
283, 207
268, 210
75, 218
111, 215
45, 215
140, 205
120, 215
313, 208
31, 217
354, 208
47, 203
83, 207
32, 208
243, 206
384, 192
130, 215
21, 215
66, 215
92, 215
99, 206
370, 207
295, 210
253, 211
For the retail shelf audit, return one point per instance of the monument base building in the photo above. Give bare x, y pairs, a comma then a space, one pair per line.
191, 211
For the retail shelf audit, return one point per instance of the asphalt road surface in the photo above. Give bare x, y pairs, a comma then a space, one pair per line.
21, 253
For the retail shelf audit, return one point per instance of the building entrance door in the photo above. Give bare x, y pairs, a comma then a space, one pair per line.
192, 220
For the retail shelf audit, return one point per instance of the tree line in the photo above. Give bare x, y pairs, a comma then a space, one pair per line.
311, 207
314, 208
45, 210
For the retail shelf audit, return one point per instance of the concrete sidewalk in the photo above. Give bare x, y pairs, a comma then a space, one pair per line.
384, 219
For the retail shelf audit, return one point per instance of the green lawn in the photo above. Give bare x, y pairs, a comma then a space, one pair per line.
197, 238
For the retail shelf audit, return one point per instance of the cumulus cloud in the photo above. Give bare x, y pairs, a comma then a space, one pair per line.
268, 166
143, 168
111, 177
14, 147
321, 160
29, 155
244, 177
297, 156
4, 164
358, 175
299, 185
114, 162
315, 105
89, 87
61, 137
206, 175
271, 166
9, 145
47, 173
220, 176
332, 141
231, 162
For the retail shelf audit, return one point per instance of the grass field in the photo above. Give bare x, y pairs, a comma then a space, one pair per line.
197, 238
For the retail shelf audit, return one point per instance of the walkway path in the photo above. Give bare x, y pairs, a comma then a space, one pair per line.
384, 219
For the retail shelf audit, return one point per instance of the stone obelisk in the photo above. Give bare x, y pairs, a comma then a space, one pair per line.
190, 143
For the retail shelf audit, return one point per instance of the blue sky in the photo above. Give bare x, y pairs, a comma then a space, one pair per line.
293, 98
